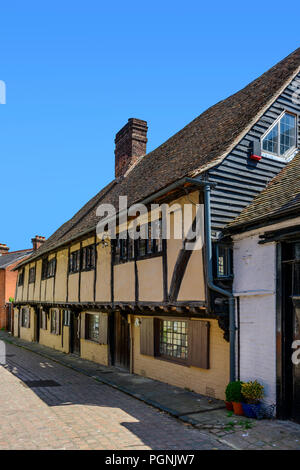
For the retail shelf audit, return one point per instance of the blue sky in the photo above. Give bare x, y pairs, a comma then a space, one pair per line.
76, 71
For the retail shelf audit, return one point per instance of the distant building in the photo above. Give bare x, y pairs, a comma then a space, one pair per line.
8, 277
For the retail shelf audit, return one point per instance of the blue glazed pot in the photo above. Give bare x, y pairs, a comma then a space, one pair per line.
251, 410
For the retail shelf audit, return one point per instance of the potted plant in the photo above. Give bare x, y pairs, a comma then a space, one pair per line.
252, 393
228, 395
234, 396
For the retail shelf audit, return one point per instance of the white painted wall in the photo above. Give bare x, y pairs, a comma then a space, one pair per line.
255, 285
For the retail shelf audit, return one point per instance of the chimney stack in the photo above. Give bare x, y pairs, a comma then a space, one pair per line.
37, 241
4, 249
131, 142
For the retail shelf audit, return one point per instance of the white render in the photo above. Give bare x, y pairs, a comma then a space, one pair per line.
255, 285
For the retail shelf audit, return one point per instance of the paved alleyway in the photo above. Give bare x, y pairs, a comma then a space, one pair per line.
76, 411
79, 413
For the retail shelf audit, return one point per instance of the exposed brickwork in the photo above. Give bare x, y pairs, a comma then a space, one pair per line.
131, 143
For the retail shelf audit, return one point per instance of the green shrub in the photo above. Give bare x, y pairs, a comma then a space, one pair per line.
252, 392
233, 391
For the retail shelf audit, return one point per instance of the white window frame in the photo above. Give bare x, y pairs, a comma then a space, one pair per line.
287, 156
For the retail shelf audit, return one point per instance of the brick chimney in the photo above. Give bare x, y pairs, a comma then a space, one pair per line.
4, 249
131, 142
37, 241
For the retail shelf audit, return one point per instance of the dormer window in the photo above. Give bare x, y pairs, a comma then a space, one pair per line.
281, 139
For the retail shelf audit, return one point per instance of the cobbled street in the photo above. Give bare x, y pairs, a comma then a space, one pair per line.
73, 411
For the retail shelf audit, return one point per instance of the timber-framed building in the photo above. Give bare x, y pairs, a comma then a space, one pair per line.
156, 309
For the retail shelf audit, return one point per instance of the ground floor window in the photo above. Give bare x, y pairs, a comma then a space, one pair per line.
185, 341
67, 317
25, 317
55, 321
173, 339
43, 320
92, 327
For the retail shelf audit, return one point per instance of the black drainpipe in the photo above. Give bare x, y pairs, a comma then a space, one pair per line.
210, 282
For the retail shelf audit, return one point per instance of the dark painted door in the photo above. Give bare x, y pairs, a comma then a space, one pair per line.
290, 332
122, 341
296, 365
75, 334
37, 326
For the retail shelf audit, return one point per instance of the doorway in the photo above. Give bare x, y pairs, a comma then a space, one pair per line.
75, 334
289, 379
122, 341
38, 313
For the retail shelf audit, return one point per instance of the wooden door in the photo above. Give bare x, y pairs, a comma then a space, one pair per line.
296, 368
75, 334
122, 341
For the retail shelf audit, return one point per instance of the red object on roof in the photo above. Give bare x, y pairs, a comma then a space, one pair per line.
255, 157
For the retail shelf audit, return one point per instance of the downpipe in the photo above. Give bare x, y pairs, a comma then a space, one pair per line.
210, 282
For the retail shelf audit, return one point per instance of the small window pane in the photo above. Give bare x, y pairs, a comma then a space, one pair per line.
287, 133
270, 142
173, 339
92, 327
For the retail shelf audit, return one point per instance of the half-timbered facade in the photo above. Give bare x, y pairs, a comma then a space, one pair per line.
152, 306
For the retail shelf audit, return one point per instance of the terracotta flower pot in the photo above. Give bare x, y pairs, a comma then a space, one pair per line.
229, 406
237, 408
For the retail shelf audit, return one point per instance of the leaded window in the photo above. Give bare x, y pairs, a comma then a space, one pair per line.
92, 327
224, 260
31, 275
51, 267
74, 261
43, 320
21, 277
55, 321
174, 339
88, 258
25, 317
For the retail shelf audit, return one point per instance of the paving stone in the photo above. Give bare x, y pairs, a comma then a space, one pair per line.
84, 413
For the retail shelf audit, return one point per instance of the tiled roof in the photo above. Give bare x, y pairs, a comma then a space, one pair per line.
280, 197
11, 258
200, 144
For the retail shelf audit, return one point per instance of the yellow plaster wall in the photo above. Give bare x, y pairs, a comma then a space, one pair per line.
49, 289
30, 292
91, 350
58, 342
94, 352
43, 289
25, 284
73, 287
37, 284
60, 293
103, 292
87, 286
211, 382
28, 334
150, 276
124, 282
16, 322
88, 241
193, 283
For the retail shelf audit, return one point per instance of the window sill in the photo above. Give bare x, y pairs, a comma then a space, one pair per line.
173, 361
138, 258
91, 341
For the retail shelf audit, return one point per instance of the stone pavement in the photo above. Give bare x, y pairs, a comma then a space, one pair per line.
206, 416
